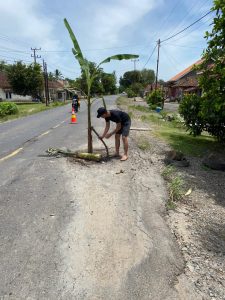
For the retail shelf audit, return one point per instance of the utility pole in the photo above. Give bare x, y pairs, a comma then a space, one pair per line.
45, 72
134, 60
157, 68
35, 56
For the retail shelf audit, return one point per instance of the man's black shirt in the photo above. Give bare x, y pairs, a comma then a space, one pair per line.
118, 116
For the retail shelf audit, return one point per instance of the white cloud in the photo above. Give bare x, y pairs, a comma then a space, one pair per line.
100, 24
112, 18
23, 26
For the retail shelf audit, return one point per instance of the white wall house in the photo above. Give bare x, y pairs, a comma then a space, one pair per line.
6, 93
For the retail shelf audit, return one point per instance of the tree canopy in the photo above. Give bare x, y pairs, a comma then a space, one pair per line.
208, 113
212, 79
143, 77
25, 80
134, 82
103, 83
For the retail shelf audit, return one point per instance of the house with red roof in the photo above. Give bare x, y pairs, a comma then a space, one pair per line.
57, 90
185, 82
6, 93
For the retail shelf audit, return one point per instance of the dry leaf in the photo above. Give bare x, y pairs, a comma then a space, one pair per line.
188, 192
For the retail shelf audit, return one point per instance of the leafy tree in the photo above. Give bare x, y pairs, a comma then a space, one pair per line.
162, 82
130, 93
109, 83
96, 87
144, 77
209, 110
58, 74
51, 76
4, 66
89, 76
26, 80
130, 78
137, 89
155, 99
212, 80
70, 81
190, 110
136, 80
147, 77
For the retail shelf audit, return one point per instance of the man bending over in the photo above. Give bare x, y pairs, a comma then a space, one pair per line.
123, 123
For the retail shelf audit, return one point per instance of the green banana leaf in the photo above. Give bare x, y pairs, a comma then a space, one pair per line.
118, 57
76, 50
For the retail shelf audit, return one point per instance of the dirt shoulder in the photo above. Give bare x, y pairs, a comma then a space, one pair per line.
198, 221
118, 244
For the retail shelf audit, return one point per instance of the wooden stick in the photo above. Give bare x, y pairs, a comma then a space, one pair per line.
140, 129
106, 148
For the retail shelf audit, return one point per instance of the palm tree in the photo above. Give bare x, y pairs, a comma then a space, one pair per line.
84, 64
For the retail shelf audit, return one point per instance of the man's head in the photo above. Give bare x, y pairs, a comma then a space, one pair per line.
102, 112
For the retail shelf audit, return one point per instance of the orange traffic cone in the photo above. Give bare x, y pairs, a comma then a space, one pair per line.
73, 118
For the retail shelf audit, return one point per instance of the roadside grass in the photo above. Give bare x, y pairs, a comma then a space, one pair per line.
167, 172
143, 143
175, 134
176, 189
122, 101
139, 108
29, 109
131, 114
175, 186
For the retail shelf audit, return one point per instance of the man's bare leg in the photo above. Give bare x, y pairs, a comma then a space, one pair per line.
125, 146
117, 144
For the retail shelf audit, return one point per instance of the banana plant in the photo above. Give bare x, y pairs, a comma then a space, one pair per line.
84, 65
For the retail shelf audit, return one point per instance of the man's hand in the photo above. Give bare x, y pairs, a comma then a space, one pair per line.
108, 135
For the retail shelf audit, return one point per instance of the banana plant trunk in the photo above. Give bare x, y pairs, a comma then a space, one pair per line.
90, 145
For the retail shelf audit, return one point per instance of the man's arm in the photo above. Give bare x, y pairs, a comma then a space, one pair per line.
118, 127
106, 130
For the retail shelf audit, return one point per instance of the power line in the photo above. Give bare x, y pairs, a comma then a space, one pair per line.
15, 58
183, 46
35, 56
150, 56
172, 36
134, 60
178, 26
5, 49
172, 64
14, 40
193, 30
166, 18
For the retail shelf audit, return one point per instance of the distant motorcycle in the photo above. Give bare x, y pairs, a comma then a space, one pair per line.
75, 105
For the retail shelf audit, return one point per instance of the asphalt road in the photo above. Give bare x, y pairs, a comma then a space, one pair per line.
70, 232
32, 190
18, 133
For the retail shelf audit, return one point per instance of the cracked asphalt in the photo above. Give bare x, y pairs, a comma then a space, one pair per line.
75, 232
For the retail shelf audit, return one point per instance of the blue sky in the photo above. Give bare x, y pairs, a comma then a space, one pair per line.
104, 28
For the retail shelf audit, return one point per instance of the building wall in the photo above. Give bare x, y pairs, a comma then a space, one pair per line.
2, 94
14, 97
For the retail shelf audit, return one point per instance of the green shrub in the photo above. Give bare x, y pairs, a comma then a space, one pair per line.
57, 103
130, 93
190, 110
8, 108
153, 106
155, 99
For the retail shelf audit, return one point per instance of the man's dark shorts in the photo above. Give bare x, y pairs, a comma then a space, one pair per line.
125, 129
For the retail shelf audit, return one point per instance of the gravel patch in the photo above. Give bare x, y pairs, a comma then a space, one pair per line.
198, 222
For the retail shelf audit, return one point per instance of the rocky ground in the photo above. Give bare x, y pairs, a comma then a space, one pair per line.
198, 221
